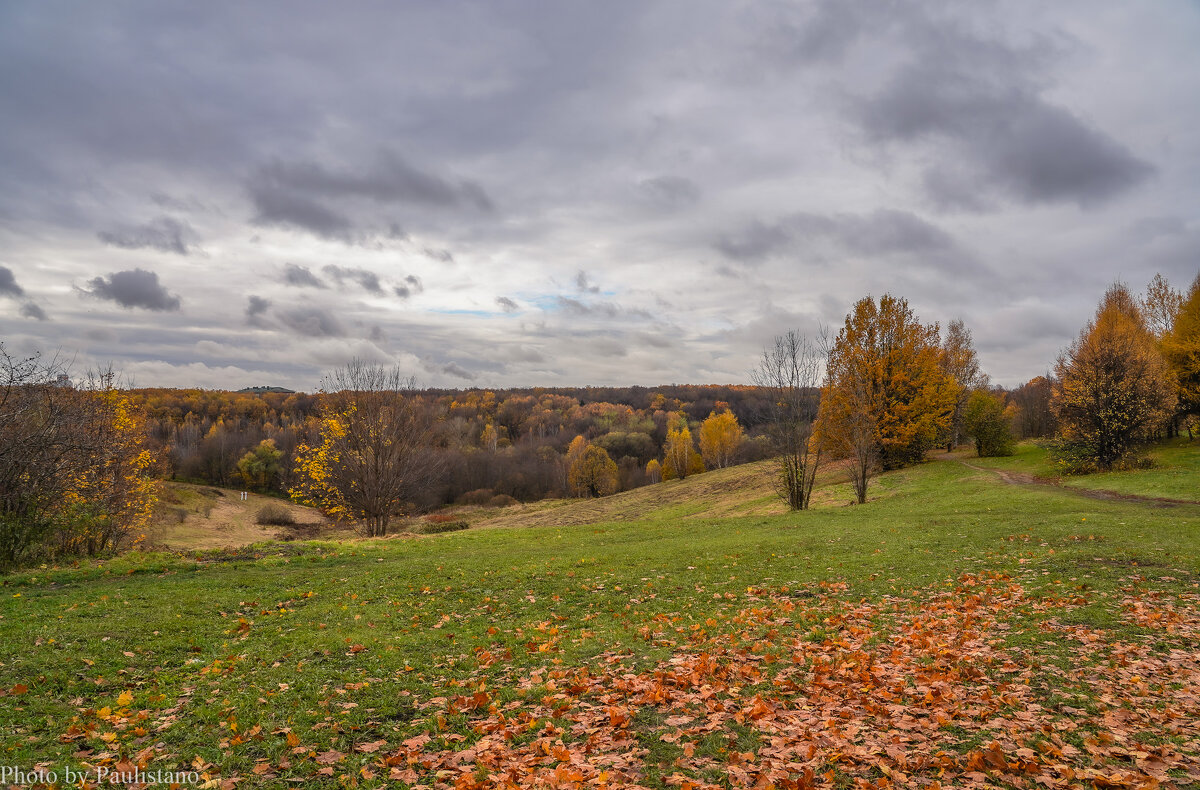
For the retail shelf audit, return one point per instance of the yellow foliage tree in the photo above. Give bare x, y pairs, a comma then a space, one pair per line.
113, 492
680, 458
593, 473
374, 448
720, 438
654, 471
1181, 348
1113, 390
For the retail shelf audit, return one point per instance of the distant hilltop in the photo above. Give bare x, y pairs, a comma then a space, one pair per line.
261, 390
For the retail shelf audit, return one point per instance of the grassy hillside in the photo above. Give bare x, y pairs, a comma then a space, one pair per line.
1175, 473
956, 628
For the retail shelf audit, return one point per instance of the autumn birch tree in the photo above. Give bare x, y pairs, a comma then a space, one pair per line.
720, 438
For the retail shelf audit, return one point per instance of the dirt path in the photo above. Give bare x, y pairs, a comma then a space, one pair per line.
1022, 479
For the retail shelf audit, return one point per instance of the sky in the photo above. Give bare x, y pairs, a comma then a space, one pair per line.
502, 194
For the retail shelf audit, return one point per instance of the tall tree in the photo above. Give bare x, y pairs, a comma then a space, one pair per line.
961, 364
886, 397
680, 458
1034, 418
720, 438
1181, 347
1160, 306
373, 454
593, 473
790, 372
989, 423
1113, 390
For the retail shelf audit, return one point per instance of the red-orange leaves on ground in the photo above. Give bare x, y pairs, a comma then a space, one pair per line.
976, 684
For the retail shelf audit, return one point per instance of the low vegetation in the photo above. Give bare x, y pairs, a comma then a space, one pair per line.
956, 628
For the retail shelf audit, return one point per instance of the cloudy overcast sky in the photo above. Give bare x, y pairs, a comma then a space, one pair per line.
225, 194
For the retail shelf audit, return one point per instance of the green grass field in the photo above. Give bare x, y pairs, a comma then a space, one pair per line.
1174, 475
955, 629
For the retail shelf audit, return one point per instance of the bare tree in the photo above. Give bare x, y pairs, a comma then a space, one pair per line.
790, 371
376, 451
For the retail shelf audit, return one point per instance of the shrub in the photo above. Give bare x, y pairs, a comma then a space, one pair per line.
501, 500
436, 527
480, 496
275, 515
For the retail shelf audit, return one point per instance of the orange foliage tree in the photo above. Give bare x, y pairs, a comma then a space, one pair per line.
1113, 390
886, 398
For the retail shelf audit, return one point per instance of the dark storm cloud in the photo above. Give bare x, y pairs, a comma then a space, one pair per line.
367, 280
300, 277
8, 283
880, 234
165, 234
507, 305
311, 321
984, 99
133, 288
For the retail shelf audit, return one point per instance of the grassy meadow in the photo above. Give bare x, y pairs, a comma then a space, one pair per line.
957, 630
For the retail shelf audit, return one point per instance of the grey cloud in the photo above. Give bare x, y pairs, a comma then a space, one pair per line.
300, 277
445, 256
597, 309
133, 288
753, 243
312, 322
256, 308
583, 284
165, 234
507, 305
391, 180
879, 234
8, 283
524, 354
606, 347
297, 194
412, 284
31, 310
452, 369
278, 206
976, 96
671, 191
367, 280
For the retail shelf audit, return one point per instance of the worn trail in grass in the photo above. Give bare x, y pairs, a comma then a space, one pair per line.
344, 663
